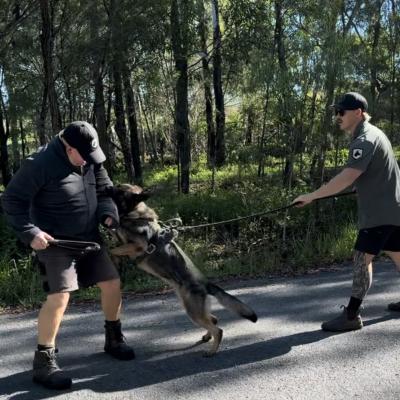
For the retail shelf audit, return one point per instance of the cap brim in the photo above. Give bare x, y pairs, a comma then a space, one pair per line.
95, 157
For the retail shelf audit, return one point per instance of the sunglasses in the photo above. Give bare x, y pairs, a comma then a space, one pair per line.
339, 111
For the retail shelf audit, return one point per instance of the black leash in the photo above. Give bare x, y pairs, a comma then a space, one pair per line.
260, 214
76, 245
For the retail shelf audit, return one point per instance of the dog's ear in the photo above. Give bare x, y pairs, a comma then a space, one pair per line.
136, 189
143, 196
126, 197
133, 199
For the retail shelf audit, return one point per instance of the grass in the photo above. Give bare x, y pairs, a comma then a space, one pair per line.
330, 247
19, 281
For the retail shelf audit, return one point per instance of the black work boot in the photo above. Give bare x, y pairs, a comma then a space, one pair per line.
115, 342
47, 372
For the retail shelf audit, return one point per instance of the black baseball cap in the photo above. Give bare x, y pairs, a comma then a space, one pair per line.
83, 137
351, 101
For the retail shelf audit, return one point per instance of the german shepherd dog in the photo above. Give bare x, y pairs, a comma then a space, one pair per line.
142, 239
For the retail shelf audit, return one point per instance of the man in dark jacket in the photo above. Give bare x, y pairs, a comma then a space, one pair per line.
58, 193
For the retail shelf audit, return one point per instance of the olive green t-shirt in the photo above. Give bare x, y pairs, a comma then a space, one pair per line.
378, 187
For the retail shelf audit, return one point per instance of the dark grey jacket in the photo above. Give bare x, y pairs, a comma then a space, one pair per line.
49, 194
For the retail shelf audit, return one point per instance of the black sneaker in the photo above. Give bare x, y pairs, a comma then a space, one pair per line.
343, 323
394, 306
115, 344
47, 372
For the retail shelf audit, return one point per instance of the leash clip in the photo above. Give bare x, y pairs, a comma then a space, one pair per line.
151, 248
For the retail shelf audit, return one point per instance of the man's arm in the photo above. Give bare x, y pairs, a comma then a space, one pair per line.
107, 212
17, 199
338, 183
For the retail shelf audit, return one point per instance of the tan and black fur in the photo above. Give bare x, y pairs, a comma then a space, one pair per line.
139, 232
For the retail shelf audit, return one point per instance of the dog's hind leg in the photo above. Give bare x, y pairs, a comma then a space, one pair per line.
197, 309
212, 331
208, 336
214, 319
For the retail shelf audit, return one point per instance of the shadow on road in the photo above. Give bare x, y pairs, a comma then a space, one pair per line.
101, 374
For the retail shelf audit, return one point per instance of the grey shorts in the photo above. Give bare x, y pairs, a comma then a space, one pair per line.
63, 270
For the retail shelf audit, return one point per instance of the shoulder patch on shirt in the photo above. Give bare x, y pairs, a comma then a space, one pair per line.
357, 153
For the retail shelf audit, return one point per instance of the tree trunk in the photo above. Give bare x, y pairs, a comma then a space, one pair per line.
133, 127
149, 138
330, 84
218, 92
285, 95
202, 28
41, 121
250, 126
394, 36
311, 127
332, 64
4, 160
179, 28
22, 136
47, 44
120, 126
99, 107
100, 118
376, 30
261, 161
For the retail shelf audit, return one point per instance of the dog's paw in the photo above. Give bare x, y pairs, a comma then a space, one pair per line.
206, 338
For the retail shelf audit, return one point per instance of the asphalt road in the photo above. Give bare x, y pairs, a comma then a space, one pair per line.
284, 355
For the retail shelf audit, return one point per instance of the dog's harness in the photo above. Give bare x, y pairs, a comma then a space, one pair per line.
157, 239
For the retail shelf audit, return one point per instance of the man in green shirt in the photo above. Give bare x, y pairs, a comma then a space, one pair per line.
373, 170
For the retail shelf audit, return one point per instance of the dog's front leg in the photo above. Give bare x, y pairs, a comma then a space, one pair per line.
134, 248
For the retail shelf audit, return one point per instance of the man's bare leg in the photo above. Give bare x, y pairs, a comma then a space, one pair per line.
350, 319
115, 344
45, 368
362, 281
111, 299
50, 317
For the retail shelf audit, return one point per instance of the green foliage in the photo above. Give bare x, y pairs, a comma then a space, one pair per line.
333, 246
19, 283
19, 280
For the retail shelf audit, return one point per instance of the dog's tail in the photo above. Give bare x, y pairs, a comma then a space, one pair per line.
232, 303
